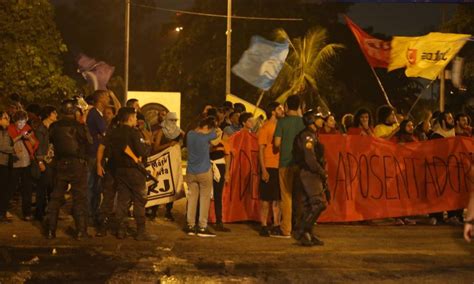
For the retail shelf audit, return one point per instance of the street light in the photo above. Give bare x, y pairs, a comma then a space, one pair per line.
178, 29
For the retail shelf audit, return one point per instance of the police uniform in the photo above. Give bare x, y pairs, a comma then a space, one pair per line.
70, 140
130, 181
309, 155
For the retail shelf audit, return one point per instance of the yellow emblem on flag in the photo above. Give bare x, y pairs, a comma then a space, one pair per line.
425, 56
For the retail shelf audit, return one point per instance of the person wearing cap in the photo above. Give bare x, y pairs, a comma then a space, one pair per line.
308, 153
70, 140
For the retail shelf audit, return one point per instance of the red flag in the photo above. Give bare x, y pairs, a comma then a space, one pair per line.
376, 51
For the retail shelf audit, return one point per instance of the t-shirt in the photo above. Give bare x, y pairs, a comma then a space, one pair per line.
382, 130
287, 128
97, 128
198, 151
271, 155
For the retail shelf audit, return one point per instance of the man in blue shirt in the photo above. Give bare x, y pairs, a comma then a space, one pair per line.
199, 176
97, 127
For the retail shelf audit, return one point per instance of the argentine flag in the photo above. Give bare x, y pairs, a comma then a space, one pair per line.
261, 62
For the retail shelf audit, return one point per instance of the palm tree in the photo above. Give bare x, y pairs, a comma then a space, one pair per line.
307, 62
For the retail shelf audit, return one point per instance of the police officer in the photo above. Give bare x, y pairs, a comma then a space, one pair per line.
309, 155
70, 139
128, 151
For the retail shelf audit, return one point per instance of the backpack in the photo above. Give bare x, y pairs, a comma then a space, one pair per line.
65, 141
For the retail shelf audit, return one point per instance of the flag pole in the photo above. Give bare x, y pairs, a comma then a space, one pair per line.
381, 86
127, 45
228, 47
259, 101
418, 98
441, 91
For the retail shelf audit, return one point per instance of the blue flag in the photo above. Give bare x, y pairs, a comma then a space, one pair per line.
261, 62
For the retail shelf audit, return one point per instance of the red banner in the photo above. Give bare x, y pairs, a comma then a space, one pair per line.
369, 178
376, 51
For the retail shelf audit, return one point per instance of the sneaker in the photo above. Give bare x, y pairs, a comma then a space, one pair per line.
205, 233
190, 230
316, 241
220, 227
277, 233
306, 240
264, 232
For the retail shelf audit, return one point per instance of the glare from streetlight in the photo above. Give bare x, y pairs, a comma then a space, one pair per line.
178, 29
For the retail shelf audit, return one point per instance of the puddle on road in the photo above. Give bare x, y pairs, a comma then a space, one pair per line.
48, 264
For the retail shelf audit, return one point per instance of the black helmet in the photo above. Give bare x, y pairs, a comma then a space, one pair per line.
68, 107
309, 117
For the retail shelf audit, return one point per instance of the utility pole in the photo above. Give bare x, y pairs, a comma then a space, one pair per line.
127, 45
228, 53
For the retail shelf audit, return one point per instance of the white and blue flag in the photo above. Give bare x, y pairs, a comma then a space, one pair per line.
261, 62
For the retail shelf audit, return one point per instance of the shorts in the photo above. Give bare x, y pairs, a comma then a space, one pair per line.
270, 191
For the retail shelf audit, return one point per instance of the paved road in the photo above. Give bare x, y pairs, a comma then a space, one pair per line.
353, 253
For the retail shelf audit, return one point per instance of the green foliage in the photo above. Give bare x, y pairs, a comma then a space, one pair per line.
30, 52
307, 63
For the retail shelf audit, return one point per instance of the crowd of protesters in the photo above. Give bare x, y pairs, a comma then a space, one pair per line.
103, 186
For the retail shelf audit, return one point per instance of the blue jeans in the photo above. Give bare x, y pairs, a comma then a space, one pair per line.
94, 189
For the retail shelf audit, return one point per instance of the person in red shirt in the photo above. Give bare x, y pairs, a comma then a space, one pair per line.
406, 133
329, 125
25, 145
362, 124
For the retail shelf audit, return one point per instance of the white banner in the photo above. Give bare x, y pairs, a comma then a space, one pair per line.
166, 168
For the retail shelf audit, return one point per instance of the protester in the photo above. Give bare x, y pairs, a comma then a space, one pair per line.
462, 125
109, 114
234, 126
406, 133
128, 151
329, 125
239, 107
167, 135
362, 124
25, 145
347, 122
220, 161
199, 176
44, 156
97, 126
106, 169
286, 130
268, 158
387, 125
308, 153
70, 140
444, 128
6, 157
